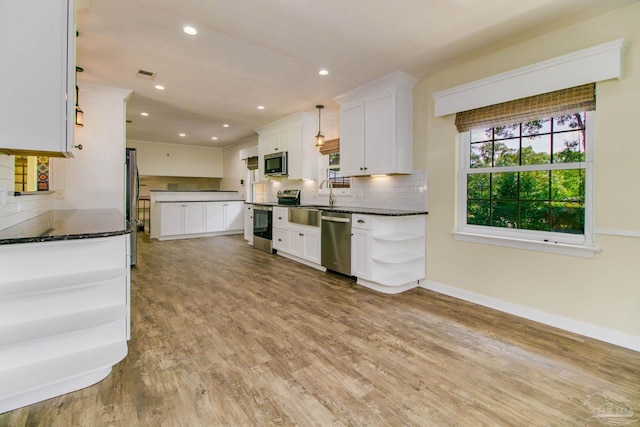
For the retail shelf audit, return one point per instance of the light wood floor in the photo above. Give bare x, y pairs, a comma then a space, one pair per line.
224, 334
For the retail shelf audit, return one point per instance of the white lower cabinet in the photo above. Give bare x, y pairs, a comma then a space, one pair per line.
195, 219
388, 252
360, 252
233, 216
304, 242
215, 217
280, 240
248, 223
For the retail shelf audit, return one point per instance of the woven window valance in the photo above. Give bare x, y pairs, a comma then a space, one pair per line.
331, 147
252, 163
559, 102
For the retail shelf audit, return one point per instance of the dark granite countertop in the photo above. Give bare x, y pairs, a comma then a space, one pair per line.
72, 224
349, 209
196, 201
194, 191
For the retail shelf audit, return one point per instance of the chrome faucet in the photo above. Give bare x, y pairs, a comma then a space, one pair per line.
330, 185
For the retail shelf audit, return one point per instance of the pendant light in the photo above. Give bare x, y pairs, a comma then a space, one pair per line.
319, 136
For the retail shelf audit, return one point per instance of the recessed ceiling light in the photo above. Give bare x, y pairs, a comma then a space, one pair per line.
215, 138
323, 72
226, 125
260, 107
159, 87
183, 134
190, 30
144, 114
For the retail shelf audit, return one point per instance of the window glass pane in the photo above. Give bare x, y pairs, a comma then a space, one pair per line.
507, 131
481, 154
334, 159
478, 212
567, 217
568, 185
534, 216
504, 186
478, 186
568, 122
536, 150
534, 185
337, 180
504, 214
479, 135
536, 127
568, 147
506, 152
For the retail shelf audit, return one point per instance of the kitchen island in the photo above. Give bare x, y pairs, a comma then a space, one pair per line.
64, 303
188, 214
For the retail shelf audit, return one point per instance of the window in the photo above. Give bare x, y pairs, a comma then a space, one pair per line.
31, 173
529, 180
333, 173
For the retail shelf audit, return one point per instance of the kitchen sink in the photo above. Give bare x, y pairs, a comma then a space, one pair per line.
305, 216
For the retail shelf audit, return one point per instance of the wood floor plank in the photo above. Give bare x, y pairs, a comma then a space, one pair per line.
225, 335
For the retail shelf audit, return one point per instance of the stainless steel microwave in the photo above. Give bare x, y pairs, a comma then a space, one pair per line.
276, 164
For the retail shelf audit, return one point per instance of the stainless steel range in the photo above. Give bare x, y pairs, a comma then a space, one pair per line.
263, 219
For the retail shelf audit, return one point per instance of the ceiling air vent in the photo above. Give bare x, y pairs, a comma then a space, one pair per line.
147, 75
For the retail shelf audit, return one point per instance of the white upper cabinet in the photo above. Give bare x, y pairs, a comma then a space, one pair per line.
294, 134
37, 80
376, 126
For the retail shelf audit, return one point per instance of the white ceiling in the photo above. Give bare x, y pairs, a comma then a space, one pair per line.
268, 52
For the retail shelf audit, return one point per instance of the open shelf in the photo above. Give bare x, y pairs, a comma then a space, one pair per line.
398, 279
398, 237
398, 258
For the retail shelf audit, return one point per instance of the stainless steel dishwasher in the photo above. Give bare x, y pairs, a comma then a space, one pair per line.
335, 243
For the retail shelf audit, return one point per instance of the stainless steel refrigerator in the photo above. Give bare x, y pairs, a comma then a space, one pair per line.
132, 191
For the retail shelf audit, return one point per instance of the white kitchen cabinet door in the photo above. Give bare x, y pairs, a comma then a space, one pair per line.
312, 245
248, 223
360, 253
233, 216
379, 131
37, 80
194, 215
215, 217
171, 219
352, 138
296, 242
278, 141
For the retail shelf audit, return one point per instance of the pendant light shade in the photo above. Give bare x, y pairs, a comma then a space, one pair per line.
319, 136
79, 112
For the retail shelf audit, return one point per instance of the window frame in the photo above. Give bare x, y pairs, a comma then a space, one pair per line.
546, 241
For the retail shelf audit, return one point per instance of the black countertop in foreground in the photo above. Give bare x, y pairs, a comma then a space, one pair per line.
351, 209
72, 224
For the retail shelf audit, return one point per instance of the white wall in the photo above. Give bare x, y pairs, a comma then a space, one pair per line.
161, 159
599, 297
236, 169
94, 178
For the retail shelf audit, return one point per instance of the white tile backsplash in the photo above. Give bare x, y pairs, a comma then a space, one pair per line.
404, 192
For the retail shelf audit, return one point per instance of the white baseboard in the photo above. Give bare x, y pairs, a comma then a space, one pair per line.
592, 331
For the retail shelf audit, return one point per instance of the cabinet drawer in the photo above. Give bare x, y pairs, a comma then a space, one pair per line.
280, 240
361, 221
281, 218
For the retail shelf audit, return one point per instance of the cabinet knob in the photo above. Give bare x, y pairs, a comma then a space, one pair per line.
301, 234
361, 168
279, 240
279, 217
365, 168
276, 149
